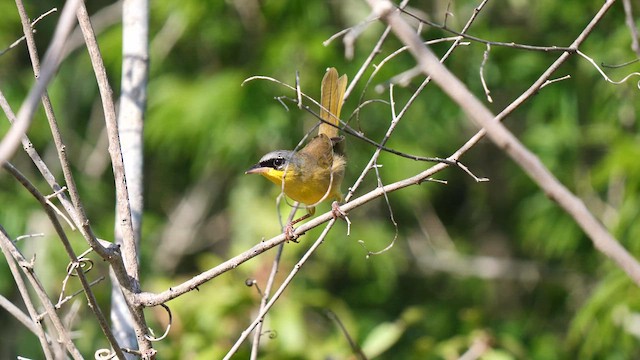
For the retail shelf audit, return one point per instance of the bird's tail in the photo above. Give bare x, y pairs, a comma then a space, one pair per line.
333, 88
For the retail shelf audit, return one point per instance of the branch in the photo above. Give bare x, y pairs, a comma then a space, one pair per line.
93, 303
631, 24
483, 41
49, 68
128, 281
33, 30
133, 99
13, 255
505, 140
6, 246
283, 286
152, 299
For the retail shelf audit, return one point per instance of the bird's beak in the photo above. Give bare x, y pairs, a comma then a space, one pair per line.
257, 169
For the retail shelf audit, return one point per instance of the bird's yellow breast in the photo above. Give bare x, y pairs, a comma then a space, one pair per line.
308, 188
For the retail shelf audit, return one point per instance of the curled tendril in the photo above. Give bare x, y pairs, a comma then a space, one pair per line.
166, 332
85, 264
104, 354
272, 334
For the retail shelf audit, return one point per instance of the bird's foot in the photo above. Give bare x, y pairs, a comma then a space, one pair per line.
339, 213
289, 233
336, 211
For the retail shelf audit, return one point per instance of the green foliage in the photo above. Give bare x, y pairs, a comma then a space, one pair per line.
204, 128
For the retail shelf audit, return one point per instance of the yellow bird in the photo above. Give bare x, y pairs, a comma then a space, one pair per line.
314, 173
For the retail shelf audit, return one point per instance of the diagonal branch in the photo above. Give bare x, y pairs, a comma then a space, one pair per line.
505, 140
6, 246
152, 299
49, 68
93, 303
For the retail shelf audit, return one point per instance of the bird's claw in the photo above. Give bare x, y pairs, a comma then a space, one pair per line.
289, 233
336, 211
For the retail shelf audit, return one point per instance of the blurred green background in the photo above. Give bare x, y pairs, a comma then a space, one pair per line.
495, 262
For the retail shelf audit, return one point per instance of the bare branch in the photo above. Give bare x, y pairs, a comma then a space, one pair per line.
483, 41
132, 107
15, 258
32, 25
485, 57
631, 24
49, 68
281, 289
93, 303
357, 350
601, 238
264, 297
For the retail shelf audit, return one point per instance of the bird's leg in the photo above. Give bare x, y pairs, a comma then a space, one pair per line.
289, 230
336, 211
339, 213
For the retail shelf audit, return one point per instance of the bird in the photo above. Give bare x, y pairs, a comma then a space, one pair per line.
314, 173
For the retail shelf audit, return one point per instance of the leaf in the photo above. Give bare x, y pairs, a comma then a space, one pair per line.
383, 337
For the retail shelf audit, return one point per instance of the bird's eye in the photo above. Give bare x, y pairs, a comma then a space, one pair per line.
278, 162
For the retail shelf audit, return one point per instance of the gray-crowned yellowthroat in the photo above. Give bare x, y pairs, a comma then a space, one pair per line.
314, 173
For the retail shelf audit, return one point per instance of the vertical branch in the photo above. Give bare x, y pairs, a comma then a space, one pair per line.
133, 99
115, 151
131, 285
255, 346
631, 24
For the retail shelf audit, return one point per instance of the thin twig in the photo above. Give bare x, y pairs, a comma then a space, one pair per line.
166, 331
32, 25
357, 350
36, 326
28, 236
376, 168
93, 303
14, 258
280, 290
49, 68
264, 297
606, 78
483, 41
485, 58
549, 82
504, 139
631, 24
